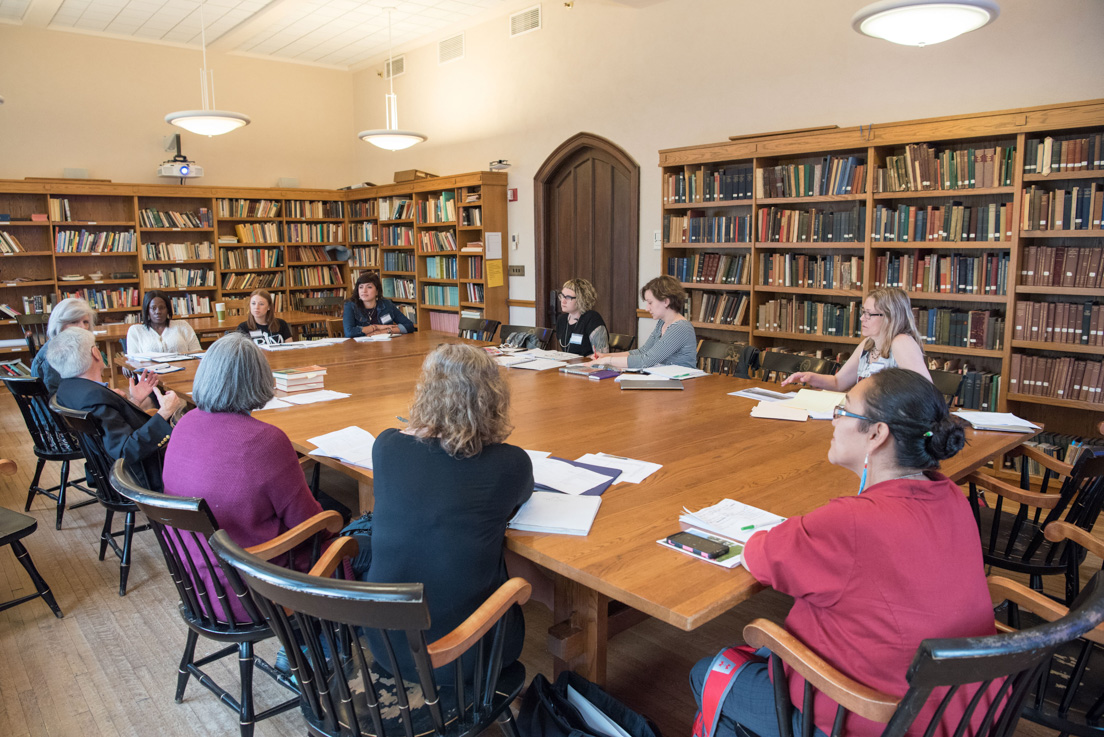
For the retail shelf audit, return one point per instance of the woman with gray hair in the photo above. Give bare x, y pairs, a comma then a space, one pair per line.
66, 313
245, 469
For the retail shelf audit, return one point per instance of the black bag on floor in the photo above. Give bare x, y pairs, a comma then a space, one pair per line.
545, 711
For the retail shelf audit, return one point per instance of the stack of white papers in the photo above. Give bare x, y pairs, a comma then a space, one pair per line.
536, 364
1000, 421
819, 404
511, 360
155, 356
569, 479
322, 395
283, 346
162, 368
547, 511
274, 403
552, 355
768, 410
638, 377
763, 395
378, 337
674, 372
731, 519
632, 471
352, 445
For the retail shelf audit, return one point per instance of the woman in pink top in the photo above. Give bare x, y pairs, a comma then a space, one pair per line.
872, 575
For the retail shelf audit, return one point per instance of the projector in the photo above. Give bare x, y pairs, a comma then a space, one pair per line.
180, 170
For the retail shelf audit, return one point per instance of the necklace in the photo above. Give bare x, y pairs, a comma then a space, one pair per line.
567, 333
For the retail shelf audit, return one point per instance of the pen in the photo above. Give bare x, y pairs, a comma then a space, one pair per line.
400, 419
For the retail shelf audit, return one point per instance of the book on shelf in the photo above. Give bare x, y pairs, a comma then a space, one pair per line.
9, 311
446, 322
817, 272
39, 304
1063, 266
921, 167
396, 208
362, 209
983, 274
241, 208
314, 209
243, 281
1077, 208
314, 232
698, 227
723, 184
1052, 155
178, 277
954, 223
439, 295
980, 329
474, 266
108, 299
472, 216
365, 257
434, 241
1066, 377
257, 232
796, 315
251, 258
397, 235
397, 287
151, 217
473, 247
308, 253
15, 368
831, 175
398, 261
723, 308
191, 304
441, 267
315, 276
363, 232
9, 243
781, 225
1060, 322
70, 241
711, 268
178, 251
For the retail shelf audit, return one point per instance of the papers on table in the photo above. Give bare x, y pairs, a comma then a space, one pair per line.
675, 372
550, 355
160, 357
352, 445
571, 478
639, 377
599, 723
536, 364
283, 346
274, 403
732, 519
799, 407
731, 559
779, 411
999, 421
547, 511
511, 360
536, 455
378, 337
763, 395
632, 470
162, 368
322, 395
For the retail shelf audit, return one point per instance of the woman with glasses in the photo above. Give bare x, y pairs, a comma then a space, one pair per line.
891, 340
579, 329
874, 574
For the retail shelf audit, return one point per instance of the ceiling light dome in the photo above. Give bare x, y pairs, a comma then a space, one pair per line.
208, 122
923, 22
391, 138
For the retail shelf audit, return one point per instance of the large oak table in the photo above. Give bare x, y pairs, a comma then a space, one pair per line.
710, 448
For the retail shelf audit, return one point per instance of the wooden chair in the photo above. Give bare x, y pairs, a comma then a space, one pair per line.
948, 383
544, 335
236, 307
790, 363
620, 342
344, 692
51, 442
717, 357
324, 307
1014, 540
90, 436
13, 528
476, 328
34, 330
182, 526
335, 328
1018, 657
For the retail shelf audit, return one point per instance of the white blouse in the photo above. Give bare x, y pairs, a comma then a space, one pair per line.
178, 337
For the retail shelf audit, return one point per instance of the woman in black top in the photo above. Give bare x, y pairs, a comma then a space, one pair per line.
445, 487
579, 329
263, 326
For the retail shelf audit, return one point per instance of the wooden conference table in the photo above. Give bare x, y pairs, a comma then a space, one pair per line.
709, 445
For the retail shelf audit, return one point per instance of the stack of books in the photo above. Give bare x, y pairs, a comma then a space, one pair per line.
299, 379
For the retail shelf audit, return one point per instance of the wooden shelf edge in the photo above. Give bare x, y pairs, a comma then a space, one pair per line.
1040, 345
1053, 401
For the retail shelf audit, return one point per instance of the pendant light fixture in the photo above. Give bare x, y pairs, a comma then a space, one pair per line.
923, 22
208, 121
391, 138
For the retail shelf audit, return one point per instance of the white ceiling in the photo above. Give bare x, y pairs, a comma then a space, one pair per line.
339, 33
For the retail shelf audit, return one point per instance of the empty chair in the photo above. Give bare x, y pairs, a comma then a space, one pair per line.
13, 528
948, 383
620, 342
476, 328
345, 692
34, 330
717, 357
541, 337
790, 363
236, 307
335, 328
324, 307
52, 442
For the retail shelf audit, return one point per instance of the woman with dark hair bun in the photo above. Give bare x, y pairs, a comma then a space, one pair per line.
872, 575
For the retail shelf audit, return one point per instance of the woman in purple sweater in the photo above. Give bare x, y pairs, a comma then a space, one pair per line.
245, 469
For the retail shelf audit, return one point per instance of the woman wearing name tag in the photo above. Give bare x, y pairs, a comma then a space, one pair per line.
891, 341
579, 329
158, 332
673, 342
368, 312
263, 326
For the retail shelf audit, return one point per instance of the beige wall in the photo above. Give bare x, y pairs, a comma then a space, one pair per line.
94, 103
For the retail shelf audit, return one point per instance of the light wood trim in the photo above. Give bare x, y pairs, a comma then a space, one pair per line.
1062, 530
790, 132
8, 468
342, 548
1008, 491
522, 303
849, 693
328, 521
1004, 589
451, 646
1065, 469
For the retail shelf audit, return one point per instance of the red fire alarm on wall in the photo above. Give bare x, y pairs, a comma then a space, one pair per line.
511, 194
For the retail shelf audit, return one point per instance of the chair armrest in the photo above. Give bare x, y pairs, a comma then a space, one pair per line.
1059, 531
329, 521
451, 646
1064, 469
852, 695
7, 467
1003, 589
1008, 491
333, 556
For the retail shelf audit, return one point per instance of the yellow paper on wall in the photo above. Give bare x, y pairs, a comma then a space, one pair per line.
494, 273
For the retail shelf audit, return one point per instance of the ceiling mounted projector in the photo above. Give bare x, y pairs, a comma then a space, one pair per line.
180, 170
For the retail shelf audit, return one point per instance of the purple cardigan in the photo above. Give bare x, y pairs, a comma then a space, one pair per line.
248, 473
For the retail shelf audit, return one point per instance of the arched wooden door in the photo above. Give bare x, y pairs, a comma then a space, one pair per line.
587, 225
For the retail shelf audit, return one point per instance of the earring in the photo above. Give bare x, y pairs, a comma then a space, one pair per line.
862, 481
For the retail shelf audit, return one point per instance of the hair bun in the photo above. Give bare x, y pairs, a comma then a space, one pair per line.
946, 438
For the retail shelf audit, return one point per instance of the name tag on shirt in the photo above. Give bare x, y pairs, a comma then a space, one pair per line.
576, 339
384, 319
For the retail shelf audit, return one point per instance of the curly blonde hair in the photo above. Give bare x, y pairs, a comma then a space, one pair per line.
461, 400
585, 293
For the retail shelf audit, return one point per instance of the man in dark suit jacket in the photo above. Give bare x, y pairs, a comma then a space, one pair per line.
128, 432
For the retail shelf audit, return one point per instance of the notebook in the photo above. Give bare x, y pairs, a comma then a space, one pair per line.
562, 514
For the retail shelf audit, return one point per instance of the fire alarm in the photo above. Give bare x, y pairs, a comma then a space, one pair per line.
511, 194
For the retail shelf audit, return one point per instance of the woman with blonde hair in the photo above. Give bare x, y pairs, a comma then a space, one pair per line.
445, 487
263, 326
891, 340
579, 329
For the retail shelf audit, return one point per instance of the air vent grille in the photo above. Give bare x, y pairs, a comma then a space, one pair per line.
396, 65
450, 49
526, 21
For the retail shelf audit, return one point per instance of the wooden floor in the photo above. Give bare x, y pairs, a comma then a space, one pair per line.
109, 667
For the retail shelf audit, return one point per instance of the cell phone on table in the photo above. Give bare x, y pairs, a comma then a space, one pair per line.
697, 545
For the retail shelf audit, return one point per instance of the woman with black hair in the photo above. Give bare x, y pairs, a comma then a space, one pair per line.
872, 575
368, 312
158, 332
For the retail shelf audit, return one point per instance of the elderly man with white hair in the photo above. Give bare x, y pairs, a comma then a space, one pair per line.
128, 432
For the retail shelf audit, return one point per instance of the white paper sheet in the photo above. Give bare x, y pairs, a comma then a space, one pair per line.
537, 364
352, 445
779, 411
732, 519
322, 395
377, 338
666, 371
632, 470
565, 477
763, 395
547, 511
536, 455
594, 717
996, 419
274, 403
553, 355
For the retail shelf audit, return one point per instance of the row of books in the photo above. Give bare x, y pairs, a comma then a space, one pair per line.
104, 241
362, 209
1063, 447
9, 243
251, 258
979, 390
1063, 266
1078, 208
108, 299
178, 277
446, 322
190, 304
724, 184
315, 276
308, 253
366, 232
722, 308
984, 274
441, 267
797, 315
1074, 379
711, 268
922, 168
1050, 155
696, 227
151, 217
471, 216
474, 265
14, 368
397, 235
315, 232
813, 272
314, 209
248, 280
438, 209
956, 223
980, 329
396, 208
59, 209
398, 287
474, 292
1060, 322
441, 295
435, 241
239, 208
33, 304
258, 232
833, 175
177, 251
398, 261
779, 225
365, 257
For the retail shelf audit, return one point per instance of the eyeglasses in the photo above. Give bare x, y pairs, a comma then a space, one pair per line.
839, 411
867, 313
567, 296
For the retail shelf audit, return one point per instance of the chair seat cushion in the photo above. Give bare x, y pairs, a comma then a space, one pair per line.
15, 526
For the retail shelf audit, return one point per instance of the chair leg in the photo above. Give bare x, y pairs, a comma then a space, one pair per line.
245, 667
183, 673
105, 534
124, 564
40, 585
34, 484
507, 724
61, 493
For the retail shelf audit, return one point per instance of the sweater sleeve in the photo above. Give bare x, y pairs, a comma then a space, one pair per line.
669, 347
400, 319
136, 339
123, 440
188, 337
290, 496
348, 320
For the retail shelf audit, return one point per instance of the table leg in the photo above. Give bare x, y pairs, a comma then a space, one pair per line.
366, 495
110, 345
578, 640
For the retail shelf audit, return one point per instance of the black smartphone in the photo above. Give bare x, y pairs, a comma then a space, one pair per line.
698, 545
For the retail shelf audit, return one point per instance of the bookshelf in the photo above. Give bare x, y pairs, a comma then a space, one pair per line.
177, 249
26, 264
958, 211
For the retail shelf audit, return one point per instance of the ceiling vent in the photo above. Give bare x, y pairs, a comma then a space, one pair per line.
394, 68
450, 49
525, 21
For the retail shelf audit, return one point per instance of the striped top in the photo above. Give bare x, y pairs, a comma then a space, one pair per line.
678, 346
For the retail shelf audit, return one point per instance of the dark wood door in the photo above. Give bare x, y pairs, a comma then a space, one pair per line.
587, 222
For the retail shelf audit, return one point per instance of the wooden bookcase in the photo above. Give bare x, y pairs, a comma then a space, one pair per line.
205, 244
763, 197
